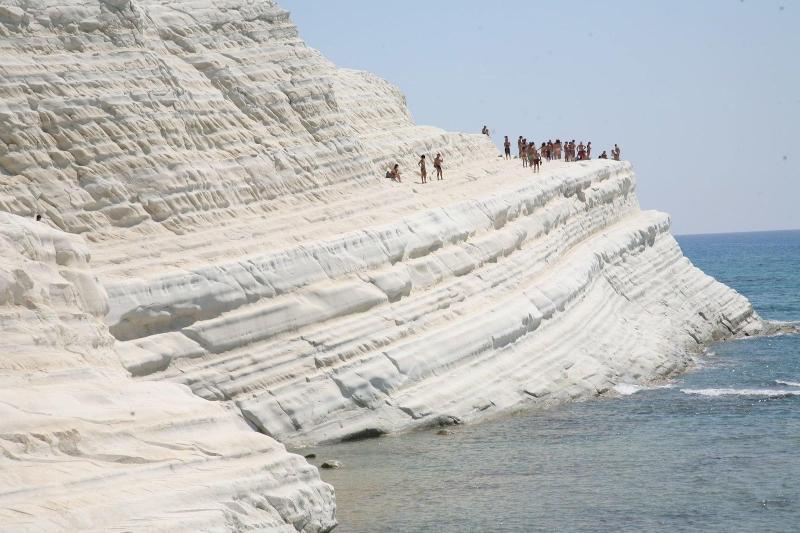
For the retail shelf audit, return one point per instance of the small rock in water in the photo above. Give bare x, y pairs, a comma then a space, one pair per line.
311, 456
331, 464
444, 432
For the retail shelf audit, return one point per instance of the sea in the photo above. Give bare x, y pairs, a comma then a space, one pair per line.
717, 449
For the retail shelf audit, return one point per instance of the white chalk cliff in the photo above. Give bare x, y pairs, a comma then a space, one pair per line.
222, 266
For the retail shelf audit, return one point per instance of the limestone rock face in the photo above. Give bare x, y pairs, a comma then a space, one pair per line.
172, 115
84, 447
221, 257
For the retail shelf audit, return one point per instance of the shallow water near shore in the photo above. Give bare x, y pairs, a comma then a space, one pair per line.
716, 449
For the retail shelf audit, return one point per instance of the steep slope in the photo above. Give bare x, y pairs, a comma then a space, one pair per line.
172, 116
548, 290
86, 448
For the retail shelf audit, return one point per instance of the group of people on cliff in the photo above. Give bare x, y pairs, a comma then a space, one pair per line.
531, 155
438, 162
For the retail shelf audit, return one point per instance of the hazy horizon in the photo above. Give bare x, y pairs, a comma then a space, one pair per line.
703, 98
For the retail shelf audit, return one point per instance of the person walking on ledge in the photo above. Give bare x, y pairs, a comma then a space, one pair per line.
507, 148
437, 164
423, 172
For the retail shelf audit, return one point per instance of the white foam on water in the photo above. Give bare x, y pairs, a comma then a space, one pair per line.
787, 383
626, 389
771, 393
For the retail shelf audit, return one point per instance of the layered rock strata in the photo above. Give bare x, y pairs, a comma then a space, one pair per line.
553, 289
84, 447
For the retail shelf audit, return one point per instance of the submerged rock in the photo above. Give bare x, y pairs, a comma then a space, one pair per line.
369, 433
331, 465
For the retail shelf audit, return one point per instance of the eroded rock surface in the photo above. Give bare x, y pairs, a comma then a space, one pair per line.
84, 447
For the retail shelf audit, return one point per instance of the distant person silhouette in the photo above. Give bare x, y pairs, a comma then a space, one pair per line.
423, 172
581, 151
523, 152
437, 164
507, 147
485, 131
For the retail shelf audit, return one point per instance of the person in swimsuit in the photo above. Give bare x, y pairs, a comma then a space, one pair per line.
532, 155
604, 155
485, 130
589, 150
507, 147
423, 172
523, 152
537, 160
396, 173
615, 153
437, 164
520, 146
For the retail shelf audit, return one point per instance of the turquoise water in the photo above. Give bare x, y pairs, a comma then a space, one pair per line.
716, 450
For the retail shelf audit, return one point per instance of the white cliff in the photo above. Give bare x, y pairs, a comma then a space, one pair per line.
251, 269
84, 447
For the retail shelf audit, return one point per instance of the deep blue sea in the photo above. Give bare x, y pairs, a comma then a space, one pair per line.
716, 450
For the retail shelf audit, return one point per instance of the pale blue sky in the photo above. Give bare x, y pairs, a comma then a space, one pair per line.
702, 96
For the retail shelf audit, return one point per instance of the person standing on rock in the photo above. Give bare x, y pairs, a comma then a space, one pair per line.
589, 150
437, 164
523, 152
537, 160
507, 147
615, 153
423, 172
520, 146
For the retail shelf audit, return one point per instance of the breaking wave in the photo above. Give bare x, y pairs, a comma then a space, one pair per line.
770, 393
626, 389
787, 383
